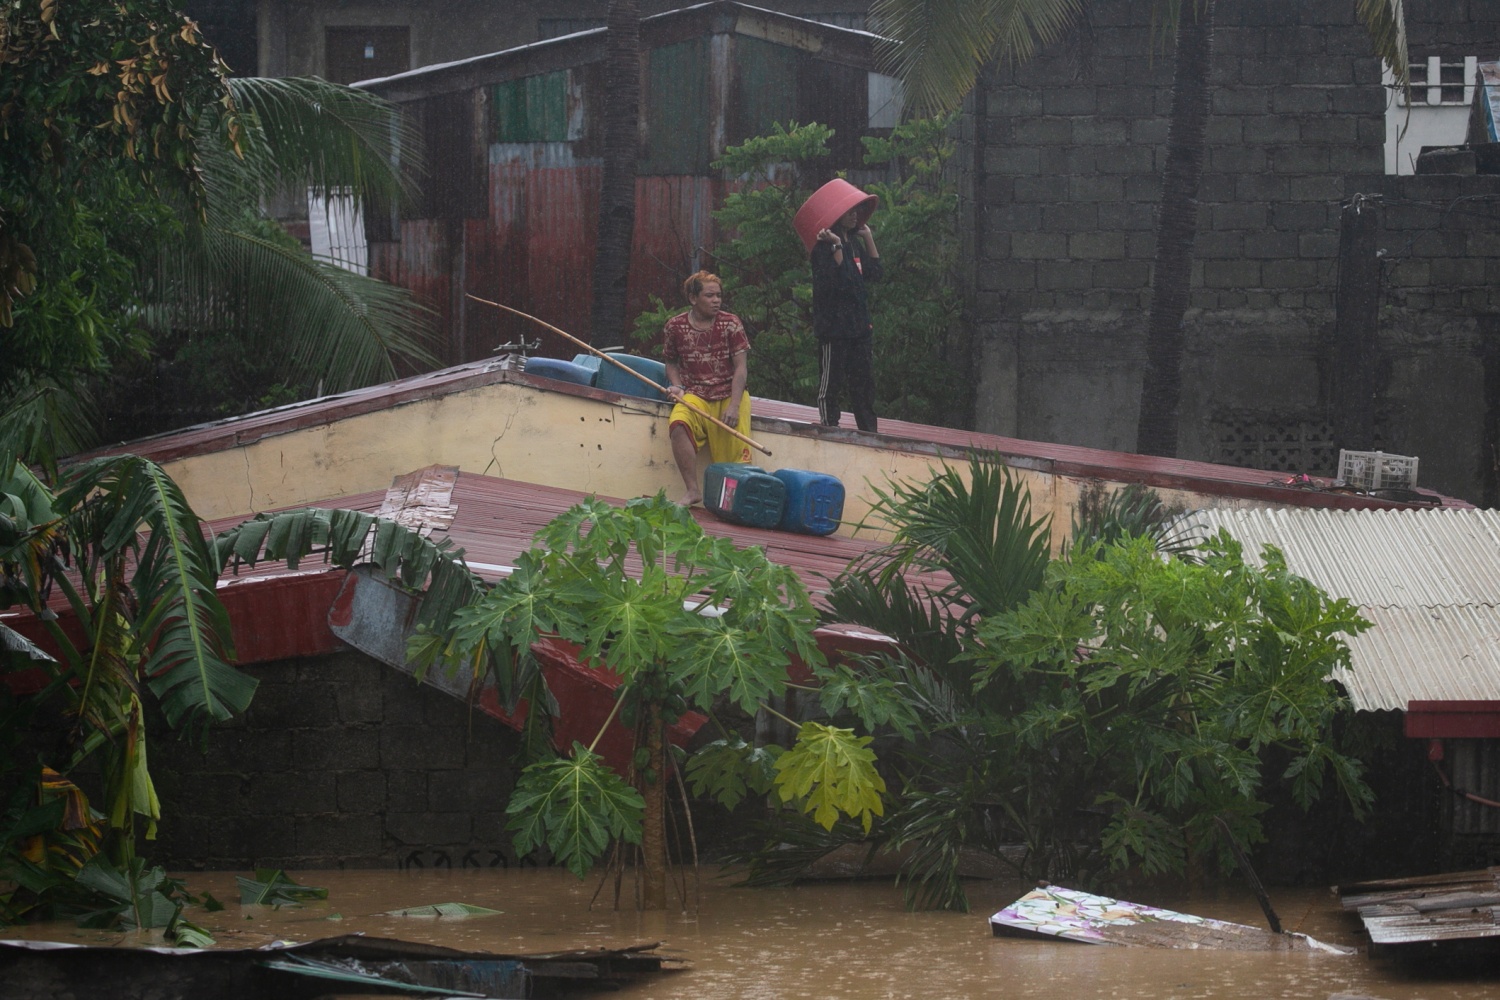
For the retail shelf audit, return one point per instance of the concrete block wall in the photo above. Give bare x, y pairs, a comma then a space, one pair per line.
1061, 158
340, 762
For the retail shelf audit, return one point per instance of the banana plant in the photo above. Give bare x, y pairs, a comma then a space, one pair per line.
119, 551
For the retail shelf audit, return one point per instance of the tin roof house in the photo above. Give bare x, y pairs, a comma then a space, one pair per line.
509, 211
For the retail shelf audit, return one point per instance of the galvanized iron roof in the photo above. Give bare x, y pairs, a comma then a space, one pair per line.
1429, 580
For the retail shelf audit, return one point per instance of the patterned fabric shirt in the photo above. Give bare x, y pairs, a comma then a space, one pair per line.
704, 358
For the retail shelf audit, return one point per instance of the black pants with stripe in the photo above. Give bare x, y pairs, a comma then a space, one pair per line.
847, 365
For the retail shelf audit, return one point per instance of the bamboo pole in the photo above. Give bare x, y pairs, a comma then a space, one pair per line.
626, 368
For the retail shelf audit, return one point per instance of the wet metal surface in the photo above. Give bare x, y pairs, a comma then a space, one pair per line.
1450, 907
837, 940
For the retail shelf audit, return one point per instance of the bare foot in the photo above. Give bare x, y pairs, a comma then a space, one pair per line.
691, 500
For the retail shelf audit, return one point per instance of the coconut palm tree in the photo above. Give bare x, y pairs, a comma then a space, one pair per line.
622, 98
937, 50
336, 325
131, 192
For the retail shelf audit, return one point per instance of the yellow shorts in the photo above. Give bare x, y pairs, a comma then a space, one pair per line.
722, 446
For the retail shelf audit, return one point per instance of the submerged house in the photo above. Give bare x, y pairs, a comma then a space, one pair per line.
343, 759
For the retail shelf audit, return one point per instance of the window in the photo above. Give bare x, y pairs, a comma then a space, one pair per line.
1435, 82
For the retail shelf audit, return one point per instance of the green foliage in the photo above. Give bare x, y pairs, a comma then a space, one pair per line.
575, 807
1177, 675
120, 544
727, 770
1108, 710
684, 619
131, 182
104, 107
831, 772
349, 538
272, 887
921, 351
976, 529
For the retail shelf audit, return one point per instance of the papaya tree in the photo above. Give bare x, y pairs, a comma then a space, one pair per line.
686, 621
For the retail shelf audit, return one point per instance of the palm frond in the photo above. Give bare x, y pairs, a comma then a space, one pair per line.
937, 47
347, 538
328, 323
980, 532
1386, 22
306, 132
43, 421
1134, 512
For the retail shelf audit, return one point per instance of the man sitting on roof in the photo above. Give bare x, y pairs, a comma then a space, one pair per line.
704, 350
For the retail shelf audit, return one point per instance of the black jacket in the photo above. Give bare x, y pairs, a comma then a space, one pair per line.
839, 308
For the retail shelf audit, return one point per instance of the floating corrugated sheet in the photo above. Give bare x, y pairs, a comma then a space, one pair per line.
1429, 580
1429, 908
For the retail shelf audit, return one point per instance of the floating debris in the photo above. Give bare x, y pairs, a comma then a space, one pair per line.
45, 968
451, 910
1052, 911
1428, 909
272, 887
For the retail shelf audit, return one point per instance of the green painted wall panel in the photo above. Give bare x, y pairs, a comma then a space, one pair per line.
765, 87
678, 109
532, 109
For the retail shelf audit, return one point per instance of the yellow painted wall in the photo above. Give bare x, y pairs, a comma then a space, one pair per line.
516, 431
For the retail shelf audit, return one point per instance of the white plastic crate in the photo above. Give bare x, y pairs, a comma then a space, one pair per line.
1375, 470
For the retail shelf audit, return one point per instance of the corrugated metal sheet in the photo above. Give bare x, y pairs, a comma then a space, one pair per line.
765, 88
1429, 580
520, 130
544, 108
677, 79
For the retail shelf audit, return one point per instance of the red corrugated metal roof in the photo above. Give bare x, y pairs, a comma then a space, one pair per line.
496, 519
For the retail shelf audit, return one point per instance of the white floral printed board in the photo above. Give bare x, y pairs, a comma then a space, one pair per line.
1082, 916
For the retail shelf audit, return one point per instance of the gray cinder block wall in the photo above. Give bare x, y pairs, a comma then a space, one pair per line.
339, 762
1061, 161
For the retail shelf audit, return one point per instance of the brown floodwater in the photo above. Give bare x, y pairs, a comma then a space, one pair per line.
832, 940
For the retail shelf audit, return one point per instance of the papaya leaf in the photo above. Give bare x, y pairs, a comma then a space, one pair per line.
575, 807
831, 771
726, 770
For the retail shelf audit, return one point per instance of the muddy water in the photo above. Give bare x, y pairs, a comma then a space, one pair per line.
838, 941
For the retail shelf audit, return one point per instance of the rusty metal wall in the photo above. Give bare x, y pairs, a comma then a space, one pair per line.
1474, 766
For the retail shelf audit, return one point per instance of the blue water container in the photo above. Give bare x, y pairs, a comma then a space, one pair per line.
563, 371
814, 502
743, 494
589, 361
611, 379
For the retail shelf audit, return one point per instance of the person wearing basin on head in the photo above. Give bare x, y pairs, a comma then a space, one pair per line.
705, 352
834, 225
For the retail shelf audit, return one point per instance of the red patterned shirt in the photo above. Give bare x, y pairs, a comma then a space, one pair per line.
704, 358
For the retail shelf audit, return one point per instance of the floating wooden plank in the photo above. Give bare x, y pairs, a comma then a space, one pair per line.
1052, 911
1426, 909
